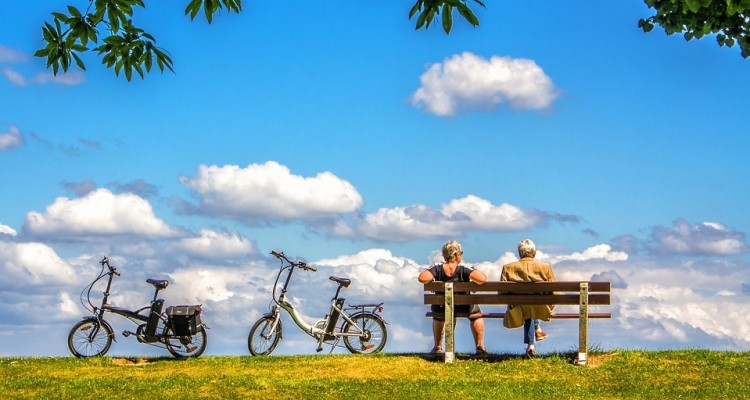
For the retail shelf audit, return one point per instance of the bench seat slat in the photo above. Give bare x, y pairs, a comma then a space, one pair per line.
519, 287
535, 299
501, 315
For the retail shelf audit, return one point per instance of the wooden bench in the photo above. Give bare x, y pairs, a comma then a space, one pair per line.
582, 294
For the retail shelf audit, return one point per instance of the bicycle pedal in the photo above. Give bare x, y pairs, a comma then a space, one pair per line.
319, 349
126, 333
368, 346
191, 349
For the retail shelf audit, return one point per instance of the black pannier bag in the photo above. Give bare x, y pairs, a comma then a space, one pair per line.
184, 320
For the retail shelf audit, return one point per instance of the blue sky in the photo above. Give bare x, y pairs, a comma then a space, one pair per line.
337, 133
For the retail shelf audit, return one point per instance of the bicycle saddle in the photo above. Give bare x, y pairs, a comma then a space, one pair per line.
158, 283
343, 282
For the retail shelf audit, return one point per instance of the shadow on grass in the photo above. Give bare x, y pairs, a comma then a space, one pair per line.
140, 361
571, 357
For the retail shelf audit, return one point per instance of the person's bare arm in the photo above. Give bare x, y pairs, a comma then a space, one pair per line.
478, 277
425, 277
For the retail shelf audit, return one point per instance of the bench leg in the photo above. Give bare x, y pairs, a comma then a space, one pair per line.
450, 348
583, 325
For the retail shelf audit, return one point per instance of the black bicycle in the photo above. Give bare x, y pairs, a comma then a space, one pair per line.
179, 329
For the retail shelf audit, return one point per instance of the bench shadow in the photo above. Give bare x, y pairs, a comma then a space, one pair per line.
569, 357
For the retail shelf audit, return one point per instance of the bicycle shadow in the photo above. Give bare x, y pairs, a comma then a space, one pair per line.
141, 361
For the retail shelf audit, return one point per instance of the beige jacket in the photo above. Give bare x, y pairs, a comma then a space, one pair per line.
527, 270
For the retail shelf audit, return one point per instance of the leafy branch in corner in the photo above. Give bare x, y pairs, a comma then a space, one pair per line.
728, 19
128, 48
125, 47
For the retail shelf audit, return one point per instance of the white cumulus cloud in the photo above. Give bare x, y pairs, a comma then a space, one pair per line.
8, 55
216, 245
6, 230
262, 192
33, 264
452, 218
10, 139
99, 213
708, 238
69, 78
598, 252
469, 82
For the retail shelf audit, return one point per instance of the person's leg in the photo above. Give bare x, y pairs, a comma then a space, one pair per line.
528, 332
529, 337
539, 334
477, 331
438, 328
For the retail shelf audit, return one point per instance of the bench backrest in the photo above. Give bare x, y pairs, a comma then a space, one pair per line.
566, 292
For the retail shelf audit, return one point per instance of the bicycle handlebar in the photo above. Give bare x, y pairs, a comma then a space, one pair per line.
300, 264
105, 261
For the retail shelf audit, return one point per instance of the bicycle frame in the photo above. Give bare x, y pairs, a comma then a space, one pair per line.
152, 318
324, 330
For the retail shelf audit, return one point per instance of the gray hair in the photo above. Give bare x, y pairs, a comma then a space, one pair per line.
526, 248
451, 249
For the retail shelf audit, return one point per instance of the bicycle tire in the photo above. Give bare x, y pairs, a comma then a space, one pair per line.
375, 334
186, 346
82, 345
258, 341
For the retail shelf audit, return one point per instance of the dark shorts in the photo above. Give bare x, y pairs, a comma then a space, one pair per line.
438, 309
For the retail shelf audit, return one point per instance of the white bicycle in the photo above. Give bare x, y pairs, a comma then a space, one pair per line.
361, 327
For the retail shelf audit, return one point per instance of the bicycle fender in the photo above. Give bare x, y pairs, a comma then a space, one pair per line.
278, 326
377, 316
103, 322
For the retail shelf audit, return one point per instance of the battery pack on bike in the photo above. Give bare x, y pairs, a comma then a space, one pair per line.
153, 321
334, 319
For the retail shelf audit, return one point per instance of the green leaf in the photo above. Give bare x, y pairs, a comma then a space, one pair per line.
79, 62
646, 25
468, 15
447, 18
415, 8
693, 5
208, 10
138, 69
62, 17
421, 20
74, 12
148, 60
114, 21
192, 8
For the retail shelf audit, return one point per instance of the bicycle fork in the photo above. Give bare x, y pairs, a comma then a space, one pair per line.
276, 314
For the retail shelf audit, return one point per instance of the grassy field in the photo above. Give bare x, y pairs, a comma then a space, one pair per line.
691, 374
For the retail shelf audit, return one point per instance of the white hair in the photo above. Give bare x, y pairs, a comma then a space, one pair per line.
526, 248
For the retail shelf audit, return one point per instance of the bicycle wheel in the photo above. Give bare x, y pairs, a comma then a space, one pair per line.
186, 346
89, 338
373, 336
261, 341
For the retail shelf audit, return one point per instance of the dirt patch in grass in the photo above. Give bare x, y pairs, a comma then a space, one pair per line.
131, 361
595, 360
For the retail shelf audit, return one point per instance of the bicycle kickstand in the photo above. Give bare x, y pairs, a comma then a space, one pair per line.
334, 344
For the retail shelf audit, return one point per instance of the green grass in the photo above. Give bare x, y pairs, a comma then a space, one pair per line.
689, 374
